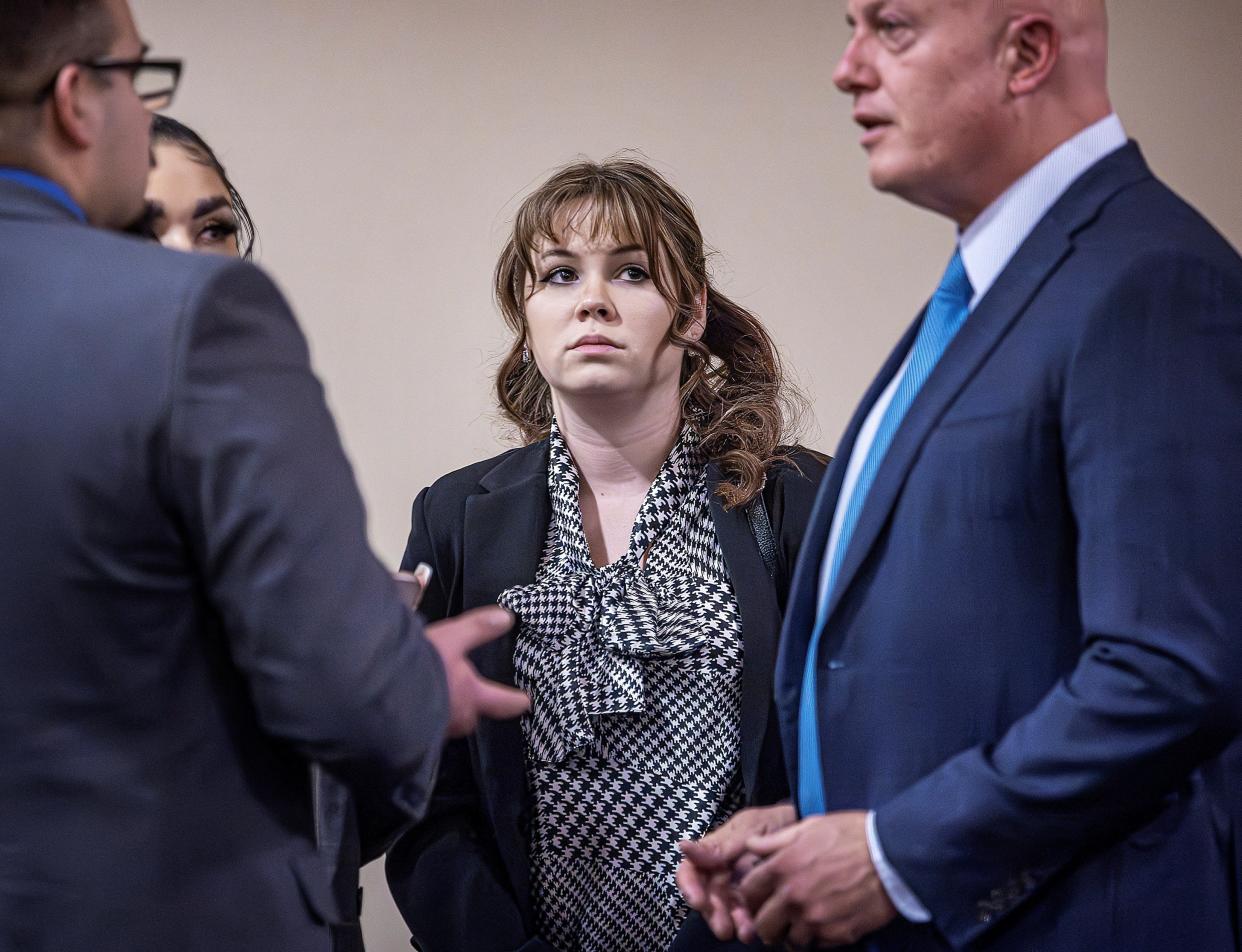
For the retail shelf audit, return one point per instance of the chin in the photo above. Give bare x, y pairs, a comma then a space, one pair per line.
886, 176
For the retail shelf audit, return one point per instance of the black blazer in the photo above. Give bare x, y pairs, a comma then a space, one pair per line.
191, 613
461, 877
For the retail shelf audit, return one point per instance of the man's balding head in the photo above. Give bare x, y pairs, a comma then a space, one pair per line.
959, 98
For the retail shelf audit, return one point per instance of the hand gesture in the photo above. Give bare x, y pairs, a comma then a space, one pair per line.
471, 696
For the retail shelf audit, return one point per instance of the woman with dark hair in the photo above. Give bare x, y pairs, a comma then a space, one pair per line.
191, 204
643, 535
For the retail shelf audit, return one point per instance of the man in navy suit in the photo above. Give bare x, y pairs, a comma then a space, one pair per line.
1013, 652
189, 612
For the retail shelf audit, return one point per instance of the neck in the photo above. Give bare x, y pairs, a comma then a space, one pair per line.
61, 174
619, 444
1045, 131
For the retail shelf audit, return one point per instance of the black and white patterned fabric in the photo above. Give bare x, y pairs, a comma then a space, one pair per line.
634, 671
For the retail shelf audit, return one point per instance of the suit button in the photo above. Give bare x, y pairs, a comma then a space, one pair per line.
836, 664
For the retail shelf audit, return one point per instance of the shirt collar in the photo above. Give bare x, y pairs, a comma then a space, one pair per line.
45, 185
995, 236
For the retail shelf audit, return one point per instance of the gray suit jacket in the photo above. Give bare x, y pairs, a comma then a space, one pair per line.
190, 612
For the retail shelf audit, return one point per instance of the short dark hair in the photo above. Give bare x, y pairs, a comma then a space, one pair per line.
165, 129
37, 37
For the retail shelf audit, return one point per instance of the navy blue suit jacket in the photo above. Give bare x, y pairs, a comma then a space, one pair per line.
1034, 649
189, 612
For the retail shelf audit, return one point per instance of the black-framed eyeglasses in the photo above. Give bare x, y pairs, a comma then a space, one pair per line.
155, 80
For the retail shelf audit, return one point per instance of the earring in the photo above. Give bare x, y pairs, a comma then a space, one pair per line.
525, 354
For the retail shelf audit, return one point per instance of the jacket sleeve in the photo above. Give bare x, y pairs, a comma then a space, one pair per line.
1151, 422
445, 874
334, 664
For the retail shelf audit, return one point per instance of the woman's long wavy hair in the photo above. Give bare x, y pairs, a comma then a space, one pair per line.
733, 388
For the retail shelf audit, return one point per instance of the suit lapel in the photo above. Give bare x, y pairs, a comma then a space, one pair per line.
1036, 259
804, 588
506, 525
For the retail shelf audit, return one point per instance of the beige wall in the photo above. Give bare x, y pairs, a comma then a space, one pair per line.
383, 144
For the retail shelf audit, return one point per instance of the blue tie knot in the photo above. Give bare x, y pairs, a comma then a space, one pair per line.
955, 285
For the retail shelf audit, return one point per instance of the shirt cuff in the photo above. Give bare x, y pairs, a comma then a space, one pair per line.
907, 902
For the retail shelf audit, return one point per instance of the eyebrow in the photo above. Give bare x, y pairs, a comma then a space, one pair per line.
206, 206
868, 12
612, 253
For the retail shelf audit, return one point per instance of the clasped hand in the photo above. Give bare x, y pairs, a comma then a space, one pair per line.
765, 874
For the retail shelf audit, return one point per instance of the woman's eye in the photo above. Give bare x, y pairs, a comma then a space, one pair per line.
217, 231
559, 276
634, 273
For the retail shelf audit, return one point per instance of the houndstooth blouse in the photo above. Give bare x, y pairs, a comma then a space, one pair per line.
634, 671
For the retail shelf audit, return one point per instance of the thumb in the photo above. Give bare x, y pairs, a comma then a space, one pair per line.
705, 855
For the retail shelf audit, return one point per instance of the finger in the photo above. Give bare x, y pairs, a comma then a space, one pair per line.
705, 854
743, 865
718, 918
759, 884
691, 885
800, 936
768, 843
743, 922
476, 627
498, 701
772, 920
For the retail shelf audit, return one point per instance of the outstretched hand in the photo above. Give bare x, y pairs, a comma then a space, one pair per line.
472, 696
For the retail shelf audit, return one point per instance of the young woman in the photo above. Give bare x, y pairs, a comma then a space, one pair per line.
643, 535
191, 204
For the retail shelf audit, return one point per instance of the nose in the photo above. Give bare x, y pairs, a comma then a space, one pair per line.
177, 239
595, 303
853, 73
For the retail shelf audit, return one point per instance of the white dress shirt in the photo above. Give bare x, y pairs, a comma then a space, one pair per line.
987, 246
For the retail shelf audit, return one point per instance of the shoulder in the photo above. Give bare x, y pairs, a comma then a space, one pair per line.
1146, 223
799, 469
791, 490
161, 290
447, 495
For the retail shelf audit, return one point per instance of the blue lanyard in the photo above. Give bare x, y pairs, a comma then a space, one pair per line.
46, 186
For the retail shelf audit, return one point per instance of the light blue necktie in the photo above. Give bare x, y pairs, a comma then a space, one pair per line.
944, 317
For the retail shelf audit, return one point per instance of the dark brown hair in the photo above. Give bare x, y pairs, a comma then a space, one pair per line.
165, 129
733, 389
37, 37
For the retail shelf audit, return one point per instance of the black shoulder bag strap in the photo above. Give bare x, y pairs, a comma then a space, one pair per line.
761, 528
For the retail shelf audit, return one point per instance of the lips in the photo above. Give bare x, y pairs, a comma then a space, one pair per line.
873, 126
595, 344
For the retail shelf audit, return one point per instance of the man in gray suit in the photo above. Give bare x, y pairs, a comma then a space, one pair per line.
189, 613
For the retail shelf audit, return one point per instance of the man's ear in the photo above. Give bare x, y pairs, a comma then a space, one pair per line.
1032, 48
77, 106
